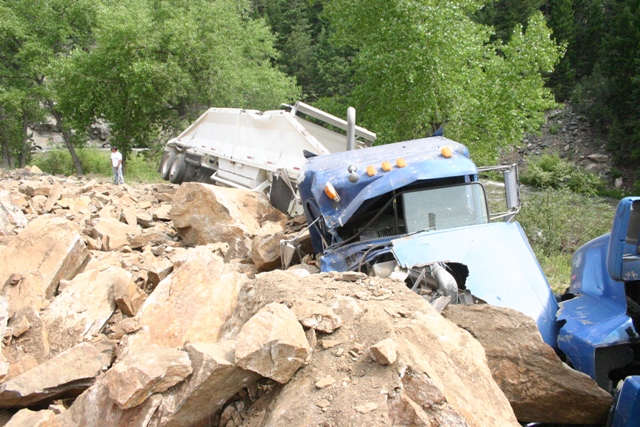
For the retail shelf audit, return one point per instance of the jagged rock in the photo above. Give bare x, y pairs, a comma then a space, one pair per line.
52, 197
538, 385
451, 364
83, 308
152, 370
272, 343
113, 234
94, 407
384, 352
34, 188
123, 327
28, 418
204, 213
192, 304
50, 246
27, 291
316, 316
265, 251
67, 374
128, 296
215, 379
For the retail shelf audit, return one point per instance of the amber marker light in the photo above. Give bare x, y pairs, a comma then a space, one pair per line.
331, 192
446, 152
386, 166
401, 162
371, 170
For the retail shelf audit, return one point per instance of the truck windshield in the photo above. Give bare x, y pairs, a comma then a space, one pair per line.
445, 207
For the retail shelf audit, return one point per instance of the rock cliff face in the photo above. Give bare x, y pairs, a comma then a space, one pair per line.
155, 305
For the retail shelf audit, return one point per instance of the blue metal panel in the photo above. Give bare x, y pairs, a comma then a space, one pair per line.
627, 407
423, 158
622, 262
596, 317
503, 270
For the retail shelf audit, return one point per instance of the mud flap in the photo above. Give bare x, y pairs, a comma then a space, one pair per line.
282, 192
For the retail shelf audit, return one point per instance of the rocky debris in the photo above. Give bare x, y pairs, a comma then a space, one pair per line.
216, 378
65, 375
537, 383
151, 370
272, 343
204, 213
202, 338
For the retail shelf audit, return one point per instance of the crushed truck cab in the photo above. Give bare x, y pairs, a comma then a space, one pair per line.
416, 211
600, 313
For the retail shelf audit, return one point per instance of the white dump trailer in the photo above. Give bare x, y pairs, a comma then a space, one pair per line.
260, 151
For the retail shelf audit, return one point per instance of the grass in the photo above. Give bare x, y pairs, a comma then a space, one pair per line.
140, 166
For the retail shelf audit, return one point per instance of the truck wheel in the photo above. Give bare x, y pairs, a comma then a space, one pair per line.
190, 174
178, 169
165, 164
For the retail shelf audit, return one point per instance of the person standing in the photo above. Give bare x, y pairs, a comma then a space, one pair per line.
116, 162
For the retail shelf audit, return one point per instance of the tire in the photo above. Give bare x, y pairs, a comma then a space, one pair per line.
190, 174
166, 163
178, 169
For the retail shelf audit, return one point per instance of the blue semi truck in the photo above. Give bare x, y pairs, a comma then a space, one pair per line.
417, 211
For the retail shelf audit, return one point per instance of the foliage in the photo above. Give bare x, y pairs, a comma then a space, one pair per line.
551, 171
421, 64
557, 222
139, 168
154, 63
505, 15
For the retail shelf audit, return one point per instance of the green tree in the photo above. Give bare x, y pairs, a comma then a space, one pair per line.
422, 64
506, 15
155, 63
34, 32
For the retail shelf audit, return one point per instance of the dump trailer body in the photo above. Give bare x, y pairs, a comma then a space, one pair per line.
251, 149
600, 314
406, 208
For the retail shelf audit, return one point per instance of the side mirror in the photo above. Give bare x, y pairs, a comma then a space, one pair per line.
623, 256
512, 187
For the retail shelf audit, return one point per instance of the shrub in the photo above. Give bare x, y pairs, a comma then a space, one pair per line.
550, 171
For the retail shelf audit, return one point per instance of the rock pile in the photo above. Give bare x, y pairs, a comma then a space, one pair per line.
155, 305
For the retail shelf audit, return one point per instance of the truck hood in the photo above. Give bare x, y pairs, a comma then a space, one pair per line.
503, 270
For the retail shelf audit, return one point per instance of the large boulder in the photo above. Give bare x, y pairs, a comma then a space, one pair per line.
190, 305
539, 386
66, 375
203, 213
440, 375
50, 246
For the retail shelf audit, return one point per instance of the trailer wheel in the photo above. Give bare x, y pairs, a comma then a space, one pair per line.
178, 169
165, 164
190, 174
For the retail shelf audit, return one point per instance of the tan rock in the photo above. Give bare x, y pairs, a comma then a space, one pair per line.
139, 375
203, 213
49, 246
384, 352
52, 197
31, 347
162, 212
123, 327
28, 418
192, 304
538, 385
83, 308
27, 291
316, 316
272, 343
215, 379
265, 251
128, 296
113, 234
65, 375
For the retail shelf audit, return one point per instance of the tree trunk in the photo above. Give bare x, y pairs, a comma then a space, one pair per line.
26, 144
66, 137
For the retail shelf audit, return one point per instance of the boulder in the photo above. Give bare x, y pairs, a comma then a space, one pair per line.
139, 375
31, 347
203, 213
191, 304
65, 375
384, 352
539, 386
272, 343
28, 418
113, 234
215, 379
49, 246
128, 296
440, 376
316, 316
84, 306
